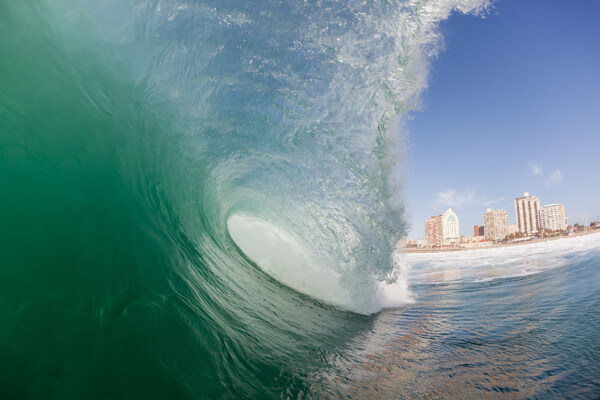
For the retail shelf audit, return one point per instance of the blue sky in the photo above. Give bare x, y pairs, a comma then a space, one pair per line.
513, 106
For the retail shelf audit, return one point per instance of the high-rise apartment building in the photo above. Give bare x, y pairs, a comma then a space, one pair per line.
450, 228
527, 210
434, 233
553, 217
495, 224
482, 230
476, 230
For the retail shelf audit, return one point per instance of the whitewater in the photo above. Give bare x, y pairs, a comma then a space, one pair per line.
202, 199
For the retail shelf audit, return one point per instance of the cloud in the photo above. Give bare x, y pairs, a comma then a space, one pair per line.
555, 178
536, 170
487, 202
452, 198
456, 199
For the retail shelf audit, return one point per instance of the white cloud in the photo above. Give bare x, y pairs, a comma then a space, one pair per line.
456, 199
554, 178
536, 170
488, 202
452, 198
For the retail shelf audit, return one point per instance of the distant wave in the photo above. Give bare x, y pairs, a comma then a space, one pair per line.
499, 263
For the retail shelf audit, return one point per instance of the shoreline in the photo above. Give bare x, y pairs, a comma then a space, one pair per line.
407, 250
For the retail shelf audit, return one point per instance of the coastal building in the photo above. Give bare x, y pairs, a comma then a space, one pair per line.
421, 243
496, 224
472, 239
481, 231
554, 217
434, 233
402, 243
512, 229
476, 230
450, 228
527, 210
471, 242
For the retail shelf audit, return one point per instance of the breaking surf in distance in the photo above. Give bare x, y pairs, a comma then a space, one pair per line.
489, 264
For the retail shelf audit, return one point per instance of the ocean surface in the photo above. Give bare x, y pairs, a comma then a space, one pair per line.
201, 199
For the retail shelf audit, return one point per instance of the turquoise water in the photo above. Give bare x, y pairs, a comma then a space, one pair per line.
201, 200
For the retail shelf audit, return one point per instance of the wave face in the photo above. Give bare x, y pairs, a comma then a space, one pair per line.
199, 197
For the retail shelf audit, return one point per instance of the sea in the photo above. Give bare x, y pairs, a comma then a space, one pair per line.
200, 199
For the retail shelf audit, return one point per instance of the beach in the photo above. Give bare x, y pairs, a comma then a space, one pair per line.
499, 245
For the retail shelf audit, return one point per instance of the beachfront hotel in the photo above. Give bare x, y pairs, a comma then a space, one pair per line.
554, 217
434, 231
527, 210
496, 224
442, 230
478, 230
450, 228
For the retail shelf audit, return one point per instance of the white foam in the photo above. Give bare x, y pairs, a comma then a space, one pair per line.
282, 256
498, 263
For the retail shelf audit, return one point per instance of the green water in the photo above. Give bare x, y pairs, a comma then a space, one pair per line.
118, 277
